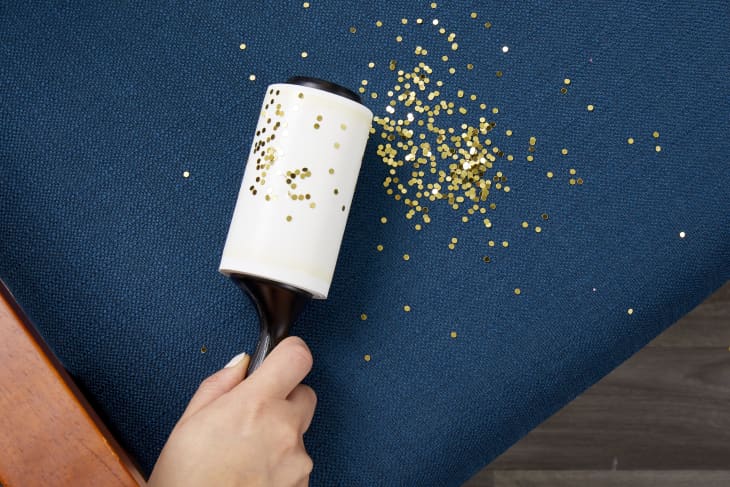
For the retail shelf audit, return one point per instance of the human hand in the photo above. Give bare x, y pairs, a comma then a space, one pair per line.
238, 432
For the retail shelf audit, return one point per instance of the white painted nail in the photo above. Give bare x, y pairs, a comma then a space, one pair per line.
235, 360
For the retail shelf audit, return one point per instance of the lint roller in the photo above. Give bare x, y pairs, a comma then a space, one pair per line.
292, 208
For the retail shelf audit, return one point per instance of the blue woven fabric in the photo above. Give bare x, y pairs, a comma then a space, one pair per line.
114, 253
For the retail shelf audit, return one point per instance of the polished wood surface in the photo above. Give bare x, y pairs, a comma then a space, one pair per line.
660, 419
49, 435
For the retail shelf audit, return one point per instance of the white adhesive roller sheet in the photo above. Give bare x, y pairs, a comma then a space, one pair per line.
297, 188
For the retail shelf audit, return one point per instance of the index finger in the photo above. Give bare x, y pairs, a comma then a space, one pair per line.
285, 367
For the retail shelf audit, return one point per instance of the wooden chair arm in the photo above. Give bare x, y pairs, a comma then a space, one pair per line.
49, 434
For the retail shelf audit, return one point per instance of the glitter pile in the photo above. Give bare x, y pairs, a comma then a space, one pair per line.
441, 149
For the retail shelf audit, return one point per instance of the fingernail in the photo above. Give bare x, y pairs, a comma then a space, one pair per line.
235, 360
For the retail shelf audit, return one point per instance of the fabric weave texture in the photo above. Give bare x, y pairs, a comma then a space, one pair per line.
114, 254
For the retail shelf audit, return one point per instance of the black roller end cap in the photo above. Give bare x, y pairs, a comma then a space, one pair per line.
324, 85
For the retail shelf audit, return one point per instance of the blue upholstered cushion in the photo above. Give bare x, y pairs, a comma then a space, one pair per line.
114, 253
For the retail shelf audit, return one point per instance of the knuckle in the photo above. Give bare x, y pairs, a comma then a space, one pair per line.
211, 382
300, 354
290, 437
309, 392
307, 464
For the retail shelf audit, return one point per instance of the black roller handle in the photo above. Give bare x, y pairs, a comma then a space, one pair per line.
278, 306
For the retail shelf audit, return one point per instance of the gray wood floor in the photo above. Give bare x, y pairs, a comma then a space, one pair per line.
660, 419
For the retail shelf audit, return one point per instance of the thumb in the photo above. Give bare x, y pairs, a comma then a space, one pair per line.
218, 384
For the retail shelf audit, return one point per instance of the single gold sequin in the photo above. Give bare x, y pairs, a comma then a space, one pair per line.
337, 145
658, 148
288, 218
203, 349
564, 151
505, 244
242, 46
363, 317
518, 291
383, 219
630, 311
434, 5
566, 81
544, 216
525, 224
682, 234
406, 257
353, 29
378, 23
331, 171
508, 133
453, 334
186, 174
486, 259
406, 308
367, 358
404, 21
538, 229
304, 54
305, 5
371, 65
549, 174
252, 77
630, 140
499, 74
655, 134
590, 108
379, 247
487, 25
473, 15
